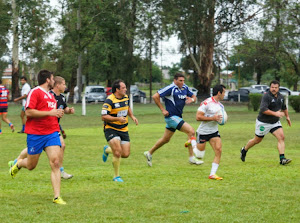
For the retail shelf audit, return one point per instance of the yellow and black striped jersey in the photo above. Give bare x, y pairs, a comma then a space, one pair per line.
116, 107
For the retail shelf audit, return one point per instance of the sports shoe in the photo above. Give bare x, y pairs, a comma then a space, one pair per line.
21, 131
215, 177
105, 154
14, 170
243, 153
12, 128
285, 161
194, 160
187, 143
65, 175
64, 135
11, 163
148, 157
59, 200
118, 179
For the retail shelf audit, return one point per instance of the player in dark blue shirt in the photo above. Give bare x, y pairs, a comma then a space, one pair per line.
272, 108
175, 96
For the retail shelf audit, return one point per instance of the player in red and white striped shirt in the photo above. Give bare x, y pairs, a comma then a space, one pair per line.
4, 93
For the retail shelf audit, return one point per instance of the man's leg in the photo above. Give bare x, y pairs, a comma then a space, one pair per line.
250, 144
200, 150
22, 115
30, 162
115, 145
278, 133
216, 144
64, 174
5, 119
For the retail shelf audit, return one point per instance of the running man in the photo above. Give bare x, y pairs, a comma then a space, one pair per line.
176, 96
272, 108
24, 92
208, 128
115, 112
42, 130
4, 94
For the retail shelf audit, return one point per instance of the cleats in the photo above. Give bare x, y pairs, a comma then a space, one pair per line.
187, 143
21, 131
105, 154
243, 153
118, 179
148, 157
65, 175
12, 128
59, 200
195, 161
215, 177
11, 163
14, 170
285, 161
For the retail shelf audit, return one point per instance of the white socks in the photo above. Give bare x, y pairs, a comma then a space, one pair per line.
199, 154
214, 168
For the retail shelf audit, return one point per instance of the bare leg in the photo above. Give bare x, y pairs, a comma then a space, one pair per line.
253, 142
162, 141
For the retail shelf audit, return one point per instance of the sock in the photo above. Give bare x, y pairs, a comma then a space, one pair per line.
116, 164
193, 142
281, 156
61, 169
10, 124
198, 153
0, 130
23, 128
15, 161
214, 168
108, 150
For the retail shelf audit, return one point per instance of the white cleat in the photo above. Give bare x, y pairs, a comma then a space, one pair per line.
148, 157
65, 175
195, 161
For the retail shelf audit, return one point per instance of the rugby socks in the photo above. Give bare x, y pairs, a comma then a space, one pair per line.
10, 124
0, 131
23, 128
281, 156
61, 169
214, 168
116, 164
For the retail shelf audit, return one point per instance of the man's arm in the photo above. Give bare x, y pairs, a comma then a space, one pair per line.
20, 98
200, 116
156, 99
286, 113
278, 114
69, 110
34, 113
109, 118
190, 100
130, 114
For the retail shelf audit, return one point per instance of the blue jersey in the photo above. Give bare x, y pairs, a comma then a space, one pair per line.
174, 98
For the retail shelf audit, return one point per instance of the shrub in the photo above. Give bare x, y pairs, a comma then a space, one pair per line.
255, 100
294, 101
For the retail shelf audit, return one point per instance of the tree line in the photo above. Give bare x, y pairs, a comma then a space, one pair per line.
102, 40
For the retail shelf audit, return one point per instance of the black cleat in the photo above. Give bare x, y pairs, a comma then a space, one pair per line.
285, 161
243, 153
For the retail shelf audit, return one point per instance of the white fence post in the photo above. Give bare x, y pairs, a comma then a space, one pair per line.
83, 106
131, 102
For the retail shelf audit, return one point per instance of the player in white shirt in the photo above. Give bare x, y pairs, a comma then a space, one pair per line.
24, 92
208, 129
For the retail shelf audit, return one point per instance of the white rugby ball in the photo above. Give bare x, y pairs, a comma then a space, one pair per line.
223, 120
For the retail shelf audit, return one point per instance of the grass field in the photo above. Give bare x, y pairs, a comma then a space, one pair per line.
259, 190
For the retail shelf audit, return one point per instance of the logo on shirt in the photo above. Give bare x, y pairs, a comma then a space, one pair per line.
273, 100
45, 97
117, 105
181, 96
51, 104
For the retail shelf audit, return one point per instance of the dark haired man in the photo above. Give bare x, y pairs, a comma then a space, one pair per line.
4, 94
115, 112
272, 108
208, 128
176, 96
24, 92
42, 131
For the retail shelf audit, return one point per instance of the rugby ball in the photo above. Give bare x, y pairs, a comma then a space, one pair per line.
223, 120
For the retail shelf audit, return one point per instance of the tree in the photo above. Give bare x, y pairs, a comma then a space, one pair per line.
4, 28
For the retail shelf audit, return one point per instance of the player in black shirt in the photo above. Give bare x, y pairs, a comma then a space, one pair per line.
272, 108
59, 87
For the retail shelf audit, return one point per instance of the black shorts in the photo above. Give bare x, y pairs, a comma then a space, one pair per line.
111, 133
205, 138
3, 110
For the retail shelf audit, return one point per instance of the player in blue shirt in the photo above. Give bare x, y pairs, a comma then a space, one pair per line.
176, 96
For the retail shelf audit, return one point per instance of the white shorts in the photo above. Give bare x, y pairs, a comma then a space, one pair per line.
262, 128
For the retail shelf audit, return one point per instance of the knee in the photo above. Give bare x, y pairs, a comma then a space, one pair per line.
281, 138
31, 166
125, 155
117, 154
55, 164
63, 146
219, 150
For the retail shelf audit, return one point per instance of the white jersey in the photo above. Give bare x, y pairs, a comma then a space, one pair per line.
25, 90
209, 107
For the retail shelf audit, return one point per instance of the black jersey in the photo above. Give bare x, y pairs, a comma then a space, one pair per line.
270, 102
61, 101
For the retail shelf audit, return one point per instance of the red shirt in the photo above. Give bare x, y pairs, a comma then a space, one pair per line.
41, 100
3, 96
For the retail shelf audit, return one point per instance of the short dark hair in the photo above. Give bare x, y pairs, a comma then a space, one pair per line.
43, 75
23, 77
116, 85
275, 82
218, 88
177, 75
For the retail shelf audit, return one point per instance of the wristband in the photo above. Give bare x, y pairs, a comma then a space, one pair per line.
193, 100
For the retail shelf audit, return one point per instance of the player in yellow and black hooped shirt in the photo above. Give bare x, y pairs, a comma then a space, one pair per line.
115, 112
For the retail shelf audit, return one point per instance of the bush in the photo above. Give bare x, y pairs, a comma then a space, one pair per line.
255, 100
294, 101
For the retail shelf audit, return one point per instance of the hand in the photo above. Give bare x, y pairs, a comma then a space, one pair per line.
279, 114
289, 121
122, 119
15, 100
72, 110
189, 100
165, 112
135, 120
217, 118
57, 113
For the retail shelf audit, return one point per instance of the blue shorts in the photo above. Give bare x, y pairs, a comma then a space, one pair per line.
23, 108
36, 143
173, 123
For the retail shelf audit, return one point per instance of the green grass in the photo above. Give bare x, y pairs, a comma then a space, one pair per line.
259, 190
